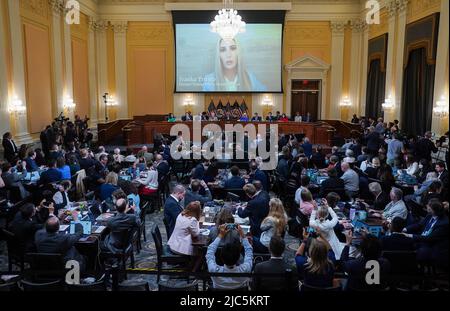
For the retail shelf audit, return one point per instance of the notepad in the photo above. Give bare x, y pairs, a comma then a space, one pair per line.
99, 229
63, 227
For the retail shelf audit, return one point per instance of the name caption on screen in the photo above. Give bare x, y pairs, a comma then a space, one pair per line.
229, 301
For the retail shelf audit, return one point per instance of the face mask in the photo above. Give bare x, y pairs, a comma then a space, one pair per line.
327, 162
420, 166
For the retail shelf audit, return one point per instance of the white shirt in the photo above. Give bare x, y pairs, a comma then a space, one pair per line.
181, 239
298, 194
231, 85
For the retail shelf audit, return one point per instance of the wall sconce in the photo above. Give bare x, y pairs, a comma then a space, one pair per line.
441, 108
109, 102
345, 102
16, 106
188, 100
69, 104
267, 101
388, 104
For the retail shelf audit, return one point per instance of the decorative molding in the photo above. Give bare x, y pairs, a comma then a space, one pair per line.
337, 27
57, 6
391, 6
403, 4
358, 25
147, 34
36, 7
119, 26
98, 25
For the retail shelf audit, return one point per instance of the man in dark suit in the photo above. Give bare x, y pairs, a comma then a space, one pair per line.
200, 169
307, 147
9, 147
270, 117
442, 174
187, 117
172, 208
24, 226
424, 147
260, 192
431, 234
283, 164
118, 225
308, 118
257, 209
318, 158
275, 265
373, 141
333, 183
161, 166
397, 241
55, 153
49, 240
381, 197
193, 194
31, 163
257, 174
52, 174
86, 161
236, 181
12, 177
256, 117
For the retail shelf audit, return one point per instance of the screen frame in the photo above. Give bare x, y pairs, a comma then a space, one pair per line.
250, 17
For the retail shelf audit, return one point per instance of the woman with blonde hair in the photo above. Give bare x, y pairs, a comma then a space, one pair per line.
109, 186
230, 73
273, 225
319, 219
186, 229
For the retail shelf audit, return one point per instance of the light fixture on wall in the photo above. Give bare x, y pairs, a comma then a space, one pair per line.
69, 104
16, 106
188, 100
345, 102
109, 101
388, 104
227, 23
441, 108
267, 101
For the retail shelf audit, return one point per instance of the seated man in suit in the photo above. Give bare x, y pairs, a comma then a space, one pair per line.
230, 255
52, 174
161, 166
193, 194
257, 209
173, 207
117, 225
395, 208
235, 181
270, 117
24, 227
275, 265
256, 117
397, 241
381, 197
442, 175
31, 163
356, 267
49, 240
431, 234
200, 169
12, 178
257, 174
333, 183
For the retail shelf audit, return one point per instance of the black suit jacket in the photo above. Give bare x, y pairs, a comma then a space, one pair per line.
24, 231
381, 201
397, 242
10, 149
276, 266
171, 211
424, 147
437, 238
162, 168
257, 209
330, 183
444, 178
117, 225
59, 243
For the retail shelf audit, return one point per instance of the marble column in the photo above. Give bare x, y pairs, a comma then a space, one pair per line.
58, 71
337, 67
68, 87
389, 85
4, 98
21, 134
357, 26
102, 67
440, 125
120, 54
93, 107
364, 61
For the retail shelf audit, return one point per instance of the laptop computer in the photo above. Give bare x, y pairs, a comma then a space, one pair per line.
87, 227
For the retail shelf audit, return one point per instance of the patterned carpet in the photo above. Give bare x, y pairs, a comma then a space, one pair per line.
147, 257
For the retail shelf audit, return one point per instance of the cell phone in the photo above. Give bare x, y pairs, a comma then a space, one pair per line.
311, 230
231, 226
130, 201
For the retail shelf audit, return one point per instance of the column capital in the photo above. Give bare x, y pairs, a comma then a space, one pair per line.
119, 27
402, 5
357, 25
391, 6
57, 6
98, 25
337, 27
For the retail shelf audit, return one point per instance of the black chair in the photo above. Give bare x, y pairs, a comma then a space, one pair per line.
402, 262
164, 255
308, 288
99, 286
53, 286
45, 267
168, 286
260, 257
125, 244
16, 251
134, 287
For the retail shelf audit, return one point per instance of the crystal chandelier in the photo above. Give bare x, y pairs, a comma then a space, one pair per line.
228, 23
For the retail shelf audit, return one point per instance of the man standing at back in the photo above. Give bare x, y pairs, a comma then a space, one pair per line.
257, 209
173, 207
425, 147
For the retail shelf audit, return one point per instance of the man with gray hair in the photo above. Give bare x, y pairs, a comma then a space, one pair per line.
173, 207
381, 198
396, 208
351, 180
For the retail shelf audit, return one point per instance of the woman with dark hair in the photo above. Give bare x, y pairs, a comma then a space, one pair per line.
387, 179
186, 229
424, 168
74, 165
63, 168
40, 157
211, 173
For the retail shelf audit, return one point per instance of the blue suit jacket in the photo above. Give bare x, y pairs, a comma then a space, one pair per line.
257, 209
437, 238
235, 182
50, 175
171, 211
262, 177
199, 172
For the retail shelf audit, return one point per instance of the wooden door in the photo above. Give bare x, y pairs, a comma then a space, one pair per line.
305, 97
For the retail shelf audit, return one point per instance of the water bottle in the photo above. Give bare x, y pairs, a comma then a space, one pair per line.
138, 172
206, 210
352, 214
